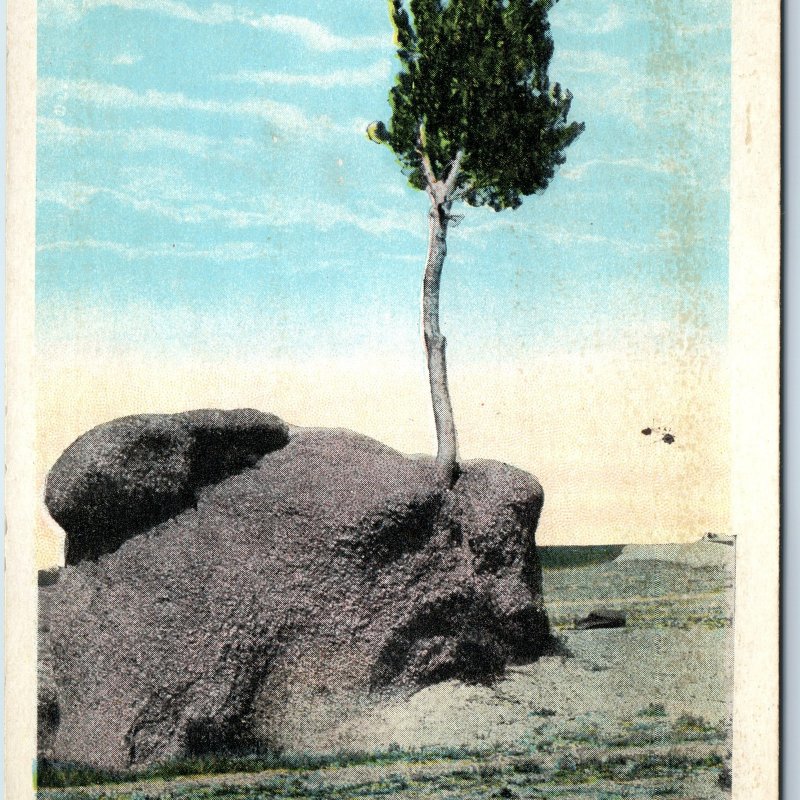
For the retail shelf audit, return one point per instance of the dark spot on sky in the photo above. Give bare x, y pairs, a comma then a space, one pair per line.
647, 431
668, 438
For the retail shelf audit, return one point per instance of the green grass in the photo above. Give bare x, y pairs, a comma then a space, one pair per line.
564, 557
653, 710
670, 596
690, 728
60, 775
624, 768
654, 774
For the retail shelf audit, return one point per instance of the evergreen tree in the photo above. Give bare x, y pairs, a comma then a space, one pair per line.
474, 118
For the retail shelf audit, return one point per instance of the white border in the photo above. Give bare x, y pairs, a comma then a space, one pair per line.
20, 573
754, 352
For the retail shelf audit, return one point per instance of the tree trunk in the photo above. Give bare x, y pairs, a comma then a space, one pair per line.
435, 343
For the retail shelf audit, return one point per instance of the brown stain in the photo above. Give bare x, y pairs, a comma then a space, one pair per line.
673, 65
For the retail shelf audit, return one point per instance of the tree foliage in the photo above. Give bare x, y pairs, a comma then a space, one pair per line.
474, 78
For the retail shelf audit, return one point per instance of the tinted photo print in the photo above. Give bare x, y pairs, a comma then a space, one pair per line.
393, 399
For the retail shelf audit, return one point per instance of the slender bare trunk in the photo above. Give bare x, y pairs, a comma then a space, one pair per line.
435, 342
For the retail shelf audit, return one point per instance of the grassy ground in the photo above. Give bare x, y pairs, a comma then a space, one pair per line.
654, 594
559, 557
673, 771
637, 712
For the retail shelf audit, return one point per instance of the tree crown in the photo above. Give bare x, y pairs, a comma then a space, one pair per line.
473, 79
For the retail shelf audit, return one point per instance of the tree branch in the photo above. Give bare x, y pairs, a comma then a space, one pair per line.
452, 176
427, 167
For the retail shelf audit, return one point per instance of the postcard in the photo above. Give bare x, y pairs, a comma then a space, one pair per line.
393, 399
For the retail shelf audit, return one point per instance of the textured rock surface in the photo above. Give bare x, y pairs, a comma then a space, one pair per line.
334, 570
127, 475
47, 711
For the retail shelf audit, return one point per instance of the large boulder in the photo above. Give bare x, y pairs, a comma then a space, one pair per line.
132, 473
333, 572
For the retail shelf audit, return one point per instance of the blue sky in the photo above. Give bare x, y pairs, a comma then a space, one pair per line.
205, 188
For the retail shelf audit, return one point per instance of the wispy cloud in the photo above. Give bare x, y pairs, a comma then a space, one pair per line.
72, 196
368, 76
315, 36
311, 34
592, 62
587, 20
326, 216
559, 235
596, 17
688, 174
70, 11
564, 237
578, 172
470, 230
283, 116
178, 203
223, 252
55, 132
125, 60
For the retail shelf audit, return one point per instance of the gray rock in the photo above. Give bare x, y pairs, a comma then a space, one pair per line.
125, 476
47, 710
601, 618
336, 571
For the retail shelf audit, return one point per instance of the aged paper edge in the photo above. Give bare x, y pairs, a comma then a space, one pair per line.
21, 500
754, 357
754, 368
